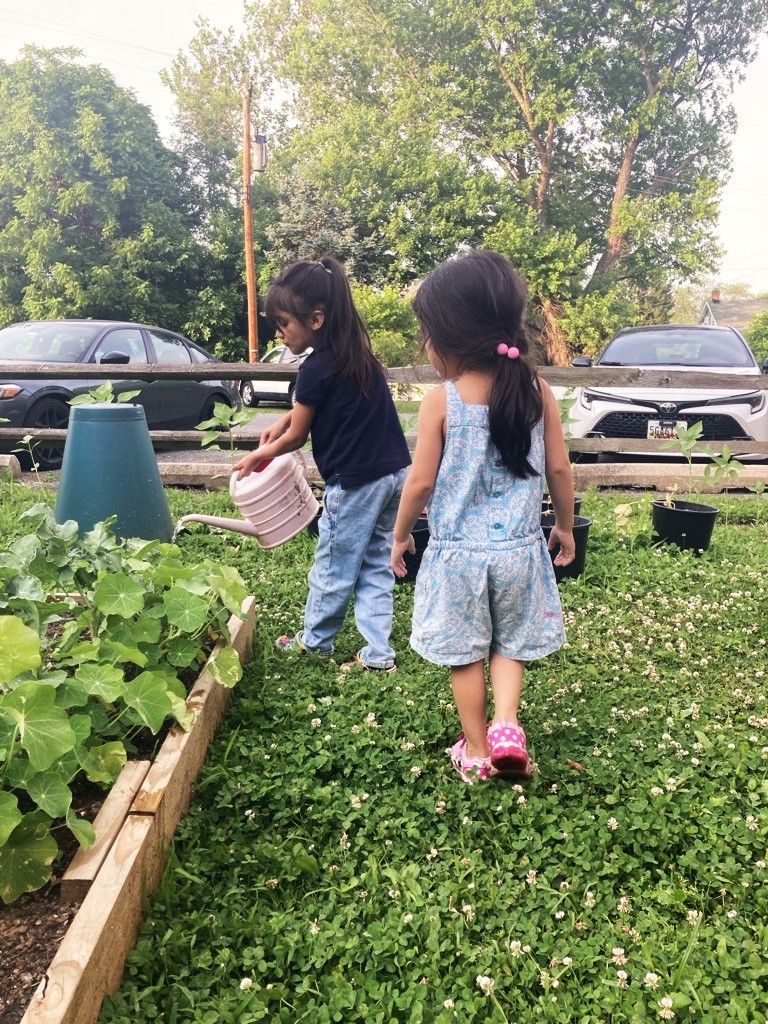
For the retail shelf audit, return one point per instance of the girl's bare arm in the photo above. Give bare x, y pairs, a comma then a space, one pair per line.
557, 469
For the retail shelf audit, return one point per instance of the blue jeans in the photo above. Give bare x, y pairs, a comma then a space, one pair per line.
352, 556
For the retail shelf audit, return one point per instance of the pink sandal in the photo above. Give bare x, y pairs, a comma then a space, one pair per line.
471, 769
508, 747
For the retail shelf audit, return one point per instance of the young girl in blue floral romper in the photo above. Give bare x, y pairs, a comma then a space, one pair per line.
487, 439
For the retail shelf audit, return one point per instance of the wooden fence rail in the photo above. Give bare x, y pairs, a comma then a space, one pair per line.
568, 376
564, 377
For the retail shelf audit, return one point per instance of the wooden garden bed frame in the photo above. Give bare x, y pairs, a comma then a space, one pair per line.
134, 829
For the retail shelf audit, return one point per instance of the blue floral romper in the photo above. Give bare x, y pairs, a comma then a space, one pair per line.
486, 581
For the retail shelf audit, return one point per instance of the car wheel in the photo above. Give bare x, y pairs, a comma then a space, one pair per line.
584, 457
248, 395
50, 414
209, 409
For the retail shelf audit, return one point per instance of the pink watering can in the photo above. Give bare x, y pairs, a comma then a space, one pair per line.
275, 499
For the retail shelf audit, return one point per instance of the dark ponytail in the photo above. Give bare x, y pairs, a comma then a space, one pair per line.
466, 307
322, 284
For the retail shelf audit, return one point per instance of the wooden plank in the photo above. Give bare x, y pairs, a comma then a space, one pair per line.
90, 960
161, 439
85, 865
641, 444
167, 788
661, 477
10, 464
562, 376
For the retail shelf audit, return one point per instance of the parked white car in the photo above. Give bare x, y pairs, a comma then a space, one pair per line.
627, 412
272, 392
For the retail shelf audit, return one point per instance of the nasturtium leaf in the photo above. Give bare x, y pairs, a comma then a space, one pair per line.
100, 680
145, 630
182, 651
29, 588
147, 695
114, 652
87, 650
180, 711
52, 678
10, 815
25, 548
184, 610
194, 582
229, 586
225, 667
81, 726
19, 648
50, 793
26, 857
81, 829
44, 729
104, 762
118, 594
17, 771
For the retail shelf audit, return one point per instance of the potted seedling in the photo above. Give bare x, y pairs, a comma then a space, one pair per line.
686, 523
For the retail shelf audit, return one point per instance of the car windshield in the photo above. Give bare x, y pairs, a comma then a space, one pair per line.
692, 347
46, 342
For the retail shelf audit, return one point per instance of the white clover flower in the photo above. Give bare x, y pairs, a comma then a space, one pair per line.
245, 984
760, 864
589, 900
621, 979
656, 791
344, 841
693, 917
440, 807
651, 980
416, 770
407, 745
618, 956
521, 800
731, 914
394, 894
559, 915
249, 813
314, 928
355, 730
613, 824
311, 708
325, 701
407, 918
565, 886
751, 822
567, 961
516, 947
370, 719
432, 853
271, 883
670, 785
531, 877
665, 1008
448, 1004
485, 984
316, 723
624, 905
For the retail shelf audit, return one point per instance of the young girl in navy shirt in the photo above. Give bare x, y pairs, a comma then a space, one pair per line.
342, 401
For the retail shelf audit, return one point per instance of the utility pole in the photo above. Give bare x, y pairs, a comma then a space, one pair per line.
250, 263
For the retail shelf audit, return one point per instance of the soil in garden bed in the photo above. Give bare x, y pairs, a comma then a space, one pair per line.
32, 927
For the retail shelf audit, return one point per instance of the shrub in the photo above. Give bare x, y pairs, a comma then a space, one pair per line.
391, 323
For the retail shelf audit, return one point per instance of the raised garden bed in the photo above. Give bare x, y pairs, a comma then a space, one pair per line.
125, 864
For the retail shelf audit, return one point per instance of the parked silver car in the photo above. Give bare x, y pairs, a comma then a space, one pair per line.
272, 392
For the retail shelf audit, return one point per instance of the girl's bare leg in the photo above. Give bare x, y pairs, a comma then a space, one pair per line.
507, 683
470, 694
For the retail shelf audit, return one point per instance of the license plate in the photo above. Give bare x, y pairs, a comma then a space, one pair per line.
665, 430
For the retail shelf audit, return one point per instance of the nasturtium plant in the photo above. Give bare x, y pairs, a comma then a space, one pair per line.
99, 638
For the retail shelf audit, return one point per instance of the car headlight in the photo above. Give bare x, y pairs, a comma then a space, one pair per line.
756, 401
9, 390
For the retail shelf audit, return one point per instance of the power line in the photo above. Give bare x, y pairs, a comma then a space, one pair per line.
76, 32
94, 60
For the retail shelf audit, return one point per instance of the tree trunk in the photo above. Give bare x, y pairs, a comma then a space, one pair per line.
616, 241
557, 349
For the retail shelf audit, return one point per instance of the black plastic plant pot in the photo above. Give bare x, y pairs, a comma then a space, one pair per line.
581, 525
687, 524
412, 562
546, 504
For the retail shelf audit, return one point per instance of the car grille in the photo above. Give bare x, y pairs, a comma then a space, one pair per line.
635, 424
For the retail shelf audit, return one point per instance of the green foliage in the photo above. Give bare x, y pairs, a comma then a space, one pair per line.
224, 420
93, 634
756, 335
104, 393
95, 215
391, 324
591, 318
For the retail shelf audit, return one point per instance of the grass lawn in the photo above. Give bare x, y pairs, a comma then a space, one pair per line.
332, 867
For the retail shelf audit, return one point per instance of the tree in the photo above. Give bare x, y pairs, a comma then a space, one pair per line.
95, 216
598, 131
757, 337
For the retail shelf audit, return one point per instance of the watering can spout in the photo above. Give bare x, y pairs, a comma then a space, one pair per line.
239, 525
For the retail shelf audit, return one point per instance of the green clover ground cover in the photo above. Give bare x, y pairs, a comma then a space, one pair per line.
331, 868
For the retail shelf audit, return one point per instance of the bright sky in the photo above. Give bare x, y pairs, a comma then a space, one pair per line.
136, 38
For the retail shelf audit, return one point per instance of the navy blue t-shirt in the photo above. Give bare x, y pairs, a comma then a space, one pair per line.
356, 437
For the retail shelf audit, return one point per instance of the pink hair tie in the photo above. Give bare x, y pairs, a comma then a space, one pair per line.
510, 351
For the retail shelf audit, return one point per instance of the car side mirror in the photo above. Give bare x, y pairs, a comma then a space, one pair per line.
118, 358
581, 361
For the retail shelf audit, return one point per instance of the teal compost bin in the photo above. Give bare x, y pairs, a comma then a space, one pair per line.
109, 469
